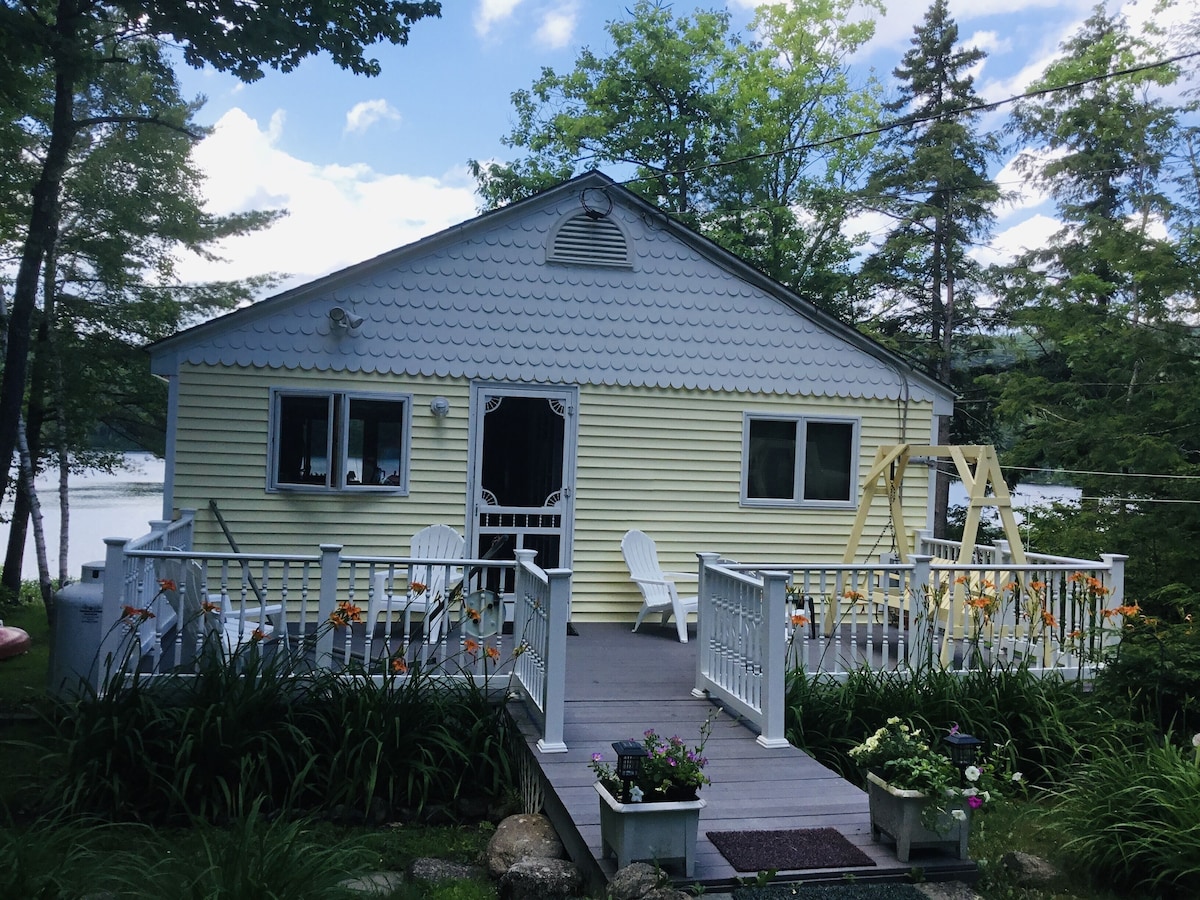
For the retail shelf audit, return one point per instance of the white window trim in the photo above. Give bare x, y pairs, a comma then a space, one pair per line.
341, 440
801, 448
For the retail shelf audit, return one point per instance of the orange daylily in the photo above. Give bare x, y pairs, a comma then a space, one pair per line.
167, 584
1048, 619
799, 621
399, 665
493, 654
417, 587
471, 646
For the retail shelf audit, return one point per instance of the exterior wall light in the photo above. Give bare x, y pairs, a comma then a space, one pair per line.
343, 318
440, 407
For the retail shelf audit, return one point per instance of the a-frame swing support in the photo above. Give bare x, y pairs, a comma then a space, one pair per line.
979, 469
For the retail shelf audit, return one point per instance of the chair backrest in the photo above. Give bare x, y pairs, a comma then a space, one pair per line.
435, 542
642, 558
640, 555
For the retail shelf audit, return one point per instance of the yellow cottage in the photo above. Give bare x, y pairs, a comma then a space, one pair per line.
555, 372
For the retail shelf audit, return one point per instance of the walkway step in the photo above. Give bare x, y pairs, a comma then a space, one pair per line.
620, 684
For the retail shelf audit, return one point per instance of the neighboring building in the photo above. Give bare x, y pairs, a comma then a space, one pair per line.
560, 370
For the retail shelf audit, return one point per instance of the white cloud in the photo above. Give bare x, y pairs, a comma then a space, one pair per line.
1028, 234
558, 26
337, 215
492, 11
363, 115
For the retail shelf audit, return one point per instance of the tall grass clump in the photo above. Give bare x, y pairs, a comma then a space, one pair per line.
1041, 725
264, 729
1130, 819
253, 858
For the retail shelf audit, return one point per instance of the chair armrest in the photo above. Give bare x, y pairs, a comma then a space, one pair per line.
676, 576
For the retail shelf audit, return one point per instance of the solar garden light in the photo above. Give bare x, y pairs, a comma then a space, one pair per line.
629, 764
963, 750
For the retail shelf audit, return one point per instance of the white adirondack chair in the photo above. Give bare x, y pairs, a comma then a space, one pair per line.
431, 542
659, 594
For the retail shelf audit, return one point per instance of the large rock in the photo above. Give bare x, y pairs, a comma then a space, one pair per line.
1029, 871
540, 878
521, 837
634, 881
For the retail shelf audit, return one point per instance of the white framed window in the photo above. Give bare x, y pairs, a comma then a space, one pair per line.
799, 461
339, 441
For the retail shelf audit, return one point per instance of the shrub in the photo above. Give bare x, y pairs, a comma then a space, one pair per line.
1156, 671
1038, 726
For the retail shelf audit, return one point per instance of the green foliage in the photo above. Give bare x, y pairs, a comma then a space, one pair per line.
1156, 671
731, 136
254, 729
1129, 818
253, 858
1036, 726
931, 179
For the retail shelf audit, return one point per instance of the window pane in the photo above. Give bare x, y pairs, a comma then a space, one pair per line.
771, 470
375, 442
304, 432
827, 461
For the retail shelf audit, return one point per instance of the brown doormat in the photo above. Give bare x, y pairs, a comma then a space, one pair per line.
797, 848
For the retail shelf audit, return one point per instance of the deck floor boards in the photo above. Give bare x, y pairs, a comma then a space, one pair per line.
618, 685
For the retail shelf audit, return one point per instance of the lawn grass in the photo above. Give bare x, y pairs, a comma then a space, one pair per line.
23, 678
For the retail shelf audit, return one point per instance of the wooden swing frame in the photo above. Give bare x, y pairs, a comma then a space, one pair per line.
979, 469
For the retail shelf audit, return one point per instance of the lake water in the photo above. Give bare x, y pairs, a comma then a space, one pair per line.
120, 504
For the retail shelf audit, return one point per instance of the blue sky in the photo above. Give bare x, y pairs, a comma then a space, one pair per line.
368, 164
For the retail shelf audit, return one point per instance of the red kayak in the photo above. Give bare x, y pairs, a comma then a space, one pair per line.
13, 641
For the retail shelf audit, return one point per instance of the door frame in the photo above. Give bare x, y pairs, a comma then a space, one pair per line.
568, 395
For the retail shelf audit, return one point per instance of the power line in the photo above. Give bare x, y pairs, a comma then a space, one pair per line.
918, 119
1101, 474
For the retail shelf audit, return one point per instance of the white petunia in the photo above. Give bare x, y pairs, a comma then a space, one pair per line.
635, 794
959, 814
1017, 776
972, 773
1196, 740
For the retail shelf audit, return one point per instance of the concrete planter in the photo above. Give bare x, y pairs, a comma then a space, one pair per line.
650, 832
899, 815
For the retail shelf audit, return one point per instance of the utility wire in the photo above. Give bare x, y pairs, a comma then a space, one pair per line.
918, 119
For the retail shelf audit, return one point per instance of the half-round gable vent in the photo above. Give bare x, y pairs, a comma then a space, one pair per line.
584, 241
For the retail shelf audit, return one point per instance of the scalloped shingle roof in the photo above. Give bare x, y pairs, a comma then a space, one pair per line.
480, 301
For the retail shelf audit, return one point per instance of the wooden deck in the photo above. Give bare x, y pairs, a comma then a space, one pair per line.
618, 685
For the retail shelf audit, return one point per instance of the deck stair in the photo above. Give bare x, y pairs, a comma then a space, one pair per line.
620, 684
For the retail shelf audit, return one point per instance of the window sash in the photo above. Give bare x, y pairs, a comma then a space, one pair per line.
790, 460
324, 441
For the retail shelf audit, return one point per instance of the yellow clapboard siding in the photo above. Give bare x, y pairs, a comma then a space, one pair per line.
668, 462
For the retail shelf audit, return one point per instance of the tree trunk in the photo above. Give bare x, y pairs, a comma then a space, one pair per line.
43, 228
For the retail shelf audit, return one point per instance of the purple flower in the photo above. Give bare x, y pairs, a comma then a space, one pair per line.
975, 802
596, 757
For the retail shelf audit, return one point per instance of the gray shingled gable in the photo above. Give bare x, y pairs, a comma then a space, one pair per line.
481, 301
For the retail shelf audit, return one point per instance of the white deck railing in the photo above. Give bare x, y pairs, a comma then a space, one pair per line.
161, 601
756, 622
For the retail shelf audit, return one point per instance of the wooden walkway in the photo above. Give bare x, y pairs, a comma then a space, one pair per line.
618, 685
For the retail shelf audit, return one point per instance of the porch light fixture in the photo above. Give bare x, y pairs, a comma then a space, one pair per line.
342, 318
629, 764
963, 749
440, 407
